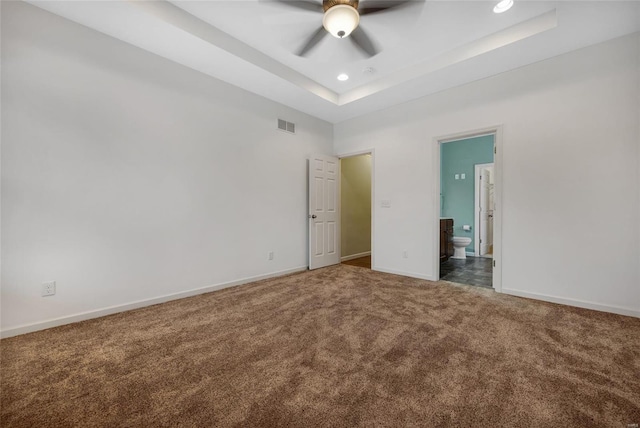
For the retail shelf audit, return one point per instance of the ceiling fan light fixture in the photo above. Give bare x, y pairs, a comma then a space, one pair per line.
503, 6
340, 20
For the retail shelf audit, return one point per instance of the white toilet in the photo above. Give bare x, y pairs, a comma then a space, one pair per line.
459, 245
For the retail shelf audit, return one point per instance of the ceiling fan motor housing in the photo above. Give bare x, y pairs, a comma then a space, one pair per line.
328, 4
340, 17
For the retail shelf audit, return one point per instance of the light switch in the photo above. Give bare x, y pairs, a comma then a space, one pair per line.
385, 204
463, 176
457, 176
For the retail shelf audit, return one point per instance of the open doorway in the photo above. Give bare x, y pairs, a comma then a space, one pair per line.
355, 209
466, 209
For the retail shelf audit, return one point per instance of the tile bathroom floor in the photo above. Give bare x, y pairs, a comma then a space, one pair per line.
470, 271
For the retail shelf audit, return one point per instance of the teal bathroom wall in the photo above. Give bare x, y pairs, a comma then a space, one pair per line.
457, 196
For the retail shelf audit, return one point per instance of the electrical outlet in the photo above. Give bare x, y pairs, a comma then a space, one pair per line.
405, 254
270, 255
48, 288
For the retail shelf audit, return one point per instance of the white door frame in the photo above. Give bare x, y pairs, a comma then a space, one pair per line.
373, 211
476, 201
497, 213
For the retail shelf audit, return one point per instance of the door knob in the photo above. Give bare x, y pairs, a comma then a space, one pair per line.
314, 216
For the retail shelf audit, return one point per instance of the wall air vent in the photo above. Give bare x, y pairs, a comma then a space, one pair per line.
289, 127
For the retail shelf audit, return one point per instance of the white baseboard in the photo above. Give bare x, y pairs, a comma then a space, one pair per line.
574, 302
409, 274
82, 316
355, 256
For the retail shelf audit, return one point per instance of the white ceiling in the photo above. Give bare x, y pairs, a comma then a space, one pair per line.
425, 47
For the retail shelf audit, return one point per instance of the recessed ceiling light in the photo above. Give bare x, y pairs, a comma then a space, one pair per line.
503, 6
342, 77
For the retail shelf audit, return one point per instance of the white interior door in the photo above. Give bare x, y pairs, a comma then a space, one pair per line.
485, 211
324, 212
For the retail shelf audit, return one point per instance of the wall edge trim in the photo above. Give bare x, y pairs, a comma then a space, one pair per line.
110, 310
355, 256
574, 302
402, 273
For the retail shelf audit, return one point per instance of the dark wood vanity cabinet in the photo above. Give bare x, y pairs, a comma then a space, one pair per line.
446, 233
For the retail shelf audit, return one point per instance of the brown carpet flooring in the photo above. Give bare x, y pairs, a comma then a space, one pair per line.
338, 347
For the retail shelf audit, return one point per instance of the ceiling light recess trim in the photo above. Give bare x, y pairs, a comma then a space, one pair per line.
503, 6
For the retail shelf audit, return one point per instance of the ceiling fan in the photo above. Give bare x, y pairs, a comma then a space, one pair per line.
341, 19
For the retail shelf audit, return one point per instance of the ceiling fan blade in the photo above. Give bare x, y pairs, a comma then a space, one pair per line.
312, 41
307, 5
362, 40
380, 6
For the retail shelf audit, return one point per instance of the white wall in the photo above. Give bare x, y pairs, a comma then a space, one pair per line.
126, 177
571, 211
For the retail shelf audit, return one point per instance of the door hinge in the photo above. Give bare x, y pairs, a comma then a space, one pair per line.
494, 263
495, 150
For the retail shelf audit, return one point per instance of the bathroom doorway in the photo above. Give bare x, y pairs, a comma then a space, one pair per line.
466, 208
356, 174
